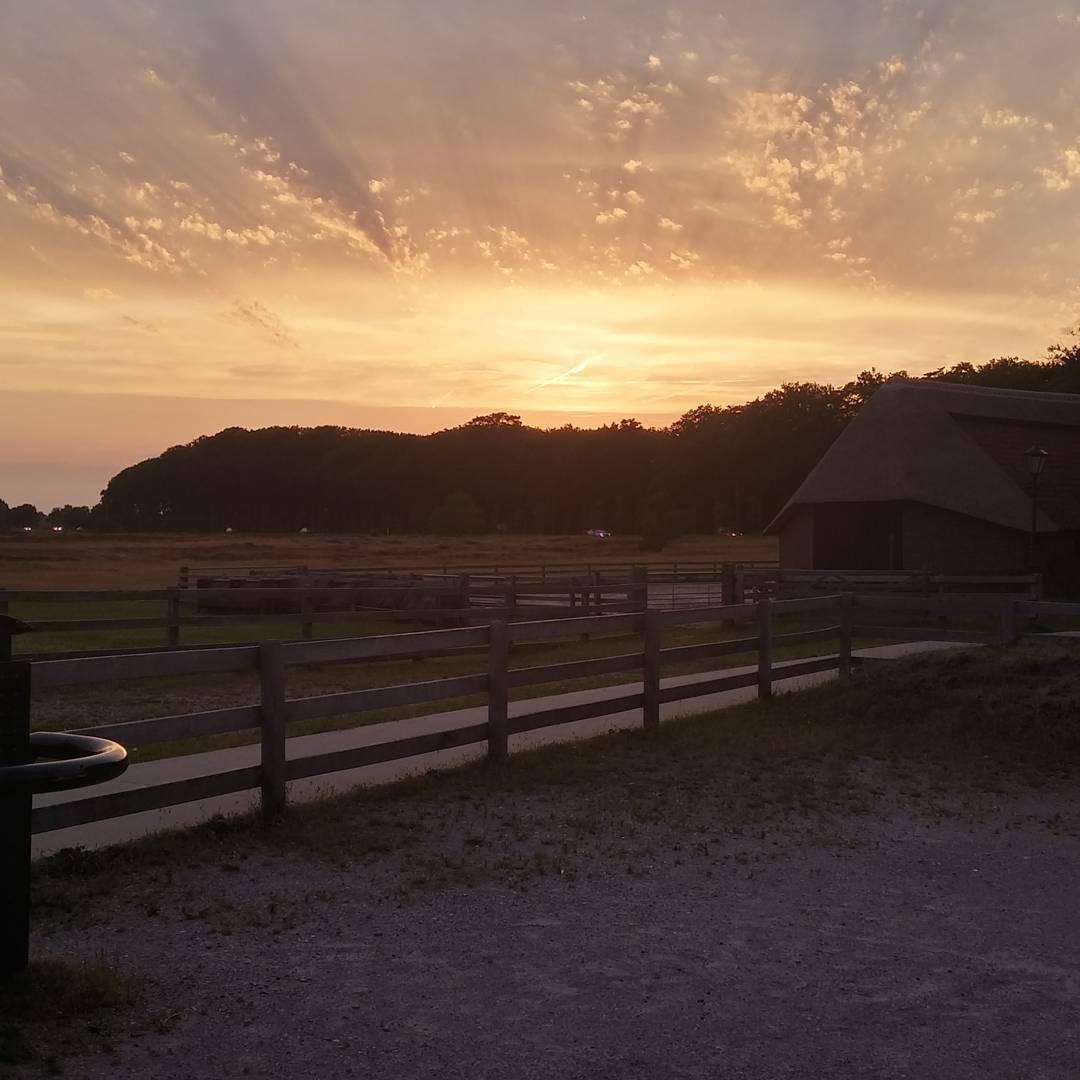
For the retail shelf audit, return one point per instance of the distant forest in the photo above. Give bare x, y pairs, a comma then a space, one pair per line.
730, 467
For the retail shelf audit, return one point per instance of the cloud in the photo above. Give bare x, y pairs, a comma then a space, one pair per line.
608, 217
1062, 176
260, 317
217, 150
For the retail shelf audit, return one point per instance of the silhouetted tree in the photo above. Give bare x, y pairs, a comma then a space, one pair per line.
457, 515
70, 517
732, 466
24, 515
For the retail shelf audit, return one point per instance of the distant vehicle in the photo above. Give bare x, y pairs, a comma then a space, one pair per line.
727, 530
58, 528
597, 534
28, 528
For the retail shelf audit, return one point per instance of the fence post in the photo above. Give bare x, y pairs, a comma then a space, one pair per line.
579, 595
306, 608
172, 616
1010, 630
650, 708
272, 723
498, 688
638, 594
727, 583
764, 621
847, 605
14, 808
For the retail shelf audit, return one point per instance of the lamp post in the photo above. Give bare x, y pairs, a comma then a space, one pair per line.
1035, 457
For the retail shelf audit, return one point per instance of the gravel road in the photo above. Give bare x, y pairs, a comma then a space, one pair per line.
530, 940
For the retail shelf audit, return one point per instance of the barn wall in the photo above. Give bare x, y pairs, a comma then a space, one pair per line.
946, 543
797, 540
858, 536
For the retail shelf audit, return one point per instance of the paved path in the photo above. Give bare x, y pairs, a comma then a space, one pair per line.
98, 834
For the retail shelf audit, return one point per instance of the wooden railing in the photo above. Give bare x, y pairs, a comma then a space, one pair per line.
524, 571
789, 583
274, 711
308, 608
465, 596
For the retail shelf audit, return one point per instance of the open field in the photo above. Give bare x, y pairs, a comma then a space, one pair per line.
127, 560
870, 879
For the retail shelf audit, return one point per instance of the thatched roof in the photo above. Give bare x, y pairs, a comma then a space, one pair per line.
913, 442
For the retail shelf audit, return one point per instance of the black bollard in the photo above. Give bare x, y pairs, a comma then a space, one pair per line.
14, 806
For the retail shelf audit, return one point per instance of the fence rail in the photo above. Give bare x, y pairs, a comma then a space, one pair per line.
275, 712
468, 595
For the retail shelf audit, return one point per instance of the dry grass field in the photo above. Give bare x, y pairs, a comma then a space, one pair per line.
130, 560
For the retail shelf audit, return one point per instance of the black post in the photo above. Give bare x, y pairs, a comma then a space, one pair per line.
1034, 523
14, 807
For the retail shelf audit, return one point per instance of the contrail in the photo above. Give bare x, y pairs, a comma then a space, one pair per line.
577, 369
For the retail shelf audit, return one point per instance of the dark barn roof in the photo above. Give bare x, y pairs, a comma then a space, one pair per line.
953, 447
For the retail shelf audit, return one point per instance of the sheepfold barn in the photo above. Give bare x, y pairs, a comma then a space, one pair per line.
937, 477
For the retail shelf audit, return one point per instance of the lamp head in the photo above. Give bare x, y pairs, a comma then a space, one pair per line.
1035, 456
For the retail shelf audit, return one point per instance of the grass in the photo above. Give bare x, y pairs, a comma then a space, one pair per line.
255, 628
131, 560
923, 730
55, 1008
84, 706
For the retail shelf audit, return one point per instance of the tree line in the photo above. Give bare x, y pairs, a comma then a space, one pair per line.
716, 467
28, 516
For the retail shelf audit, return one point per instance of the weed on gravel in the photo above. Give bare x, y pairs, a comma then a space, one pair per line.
55, 1008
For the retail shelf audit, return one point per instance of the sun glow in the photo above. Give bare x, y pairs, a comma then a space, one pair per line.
555, 216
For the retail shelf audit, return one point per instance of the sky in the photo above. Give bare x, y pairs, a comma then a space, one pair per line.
404, 213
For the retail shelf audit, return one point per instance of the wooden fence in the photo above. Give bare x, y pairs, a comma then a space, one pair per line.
792, 583
530, 572
308, 608
274, 711
479, 596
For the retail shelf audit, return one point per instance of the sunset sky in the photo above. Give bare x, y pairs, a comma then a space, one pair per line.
402, 213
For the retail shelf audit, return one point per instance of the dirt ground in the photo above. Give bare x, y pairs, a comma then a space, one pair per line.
93, 561
901, 930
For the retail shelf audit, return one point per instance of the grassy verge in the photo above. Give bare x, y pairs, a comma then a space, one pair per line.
985, 720
85, 706
56, 1008
253, 628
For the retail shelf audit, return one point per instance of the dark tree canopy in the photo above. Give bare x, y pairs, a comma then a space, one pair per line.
715, 467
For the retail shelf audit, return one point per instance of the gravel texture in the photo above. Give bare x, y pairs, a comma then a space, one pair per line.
527, 938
